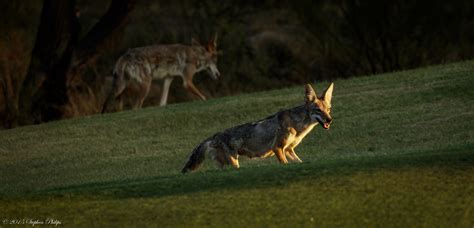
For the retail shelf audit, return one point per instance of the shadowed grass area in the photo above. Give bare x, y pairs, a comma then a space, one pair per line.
266, 176
400, 152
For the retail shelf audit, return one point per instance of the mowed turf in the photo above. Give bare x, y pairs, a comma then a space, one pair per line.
400, 152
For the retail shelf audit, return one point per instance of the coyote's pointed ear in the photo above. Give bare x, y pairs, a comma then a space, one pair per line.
214, 40
328, 94
194, 42
310, 95
212, 44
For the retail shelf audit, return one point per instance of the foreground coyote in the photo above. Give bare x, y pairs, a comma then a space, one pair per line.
135, 70
277, 134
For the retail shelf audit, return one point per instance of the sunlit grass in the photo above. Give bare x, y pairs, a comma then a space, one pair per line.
400, 152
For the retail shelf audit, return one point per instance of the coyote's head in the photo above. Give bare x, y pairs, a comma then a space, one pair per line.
319, 108
210, 57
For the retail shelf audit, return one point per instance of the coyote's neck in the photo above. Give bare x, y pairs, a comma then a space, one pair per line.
302, 118
201, 62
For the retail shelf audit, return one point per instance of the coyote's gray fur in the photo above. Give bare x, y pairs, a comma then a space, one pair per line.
278, 134
135, 70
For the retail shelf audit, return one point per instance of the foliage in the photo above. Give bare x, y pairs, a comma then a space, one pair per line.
266, 44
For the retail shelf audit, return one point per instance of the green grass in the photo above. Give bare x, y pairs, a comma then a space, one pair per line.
400, 152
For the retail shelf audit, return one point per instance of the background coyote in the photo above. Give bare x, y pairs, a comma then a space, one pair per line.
135, 70
277, 134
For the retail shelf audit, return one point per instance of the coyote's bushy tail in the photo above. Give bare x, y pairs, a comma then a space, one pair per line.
197, 157
118, 84
111, 95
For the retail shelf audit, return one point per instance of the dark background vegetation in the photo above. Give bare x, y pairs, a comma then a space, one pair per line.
266, 44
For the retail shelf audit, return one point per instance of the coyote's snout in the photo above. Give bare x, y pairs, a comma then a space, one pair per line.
135, 70
278, 134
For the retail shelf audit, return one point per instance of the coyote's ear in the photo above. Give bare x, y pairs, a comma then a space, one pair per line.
328, 94
310, 95
194, 42
212, 44
214, 40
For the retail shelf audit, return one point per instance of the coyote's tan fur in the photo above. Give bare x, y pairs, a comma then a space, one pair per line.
135, 70
278, 134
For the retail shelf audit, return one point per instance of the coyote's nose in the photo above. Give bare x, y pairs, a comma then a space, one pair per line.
328, 120
216, 76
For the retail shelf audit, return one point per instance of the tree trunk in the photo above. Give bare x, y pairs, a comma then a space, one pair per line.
44, 86
58, 58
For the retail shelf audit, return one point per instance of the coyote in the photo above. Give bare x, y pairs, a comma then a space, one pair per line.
277, 134
135, 70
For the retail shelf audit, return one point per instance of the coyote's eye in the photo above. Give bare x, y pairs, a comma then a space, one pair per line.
316, 109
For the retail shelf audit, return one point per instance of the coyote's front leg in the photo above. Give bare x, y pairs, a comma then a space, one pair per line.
165, 90
292, 155
188, 82
280, 155
285, 136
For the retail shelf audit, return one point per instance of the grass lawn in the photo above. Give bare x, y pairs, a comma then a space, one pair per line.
400, 152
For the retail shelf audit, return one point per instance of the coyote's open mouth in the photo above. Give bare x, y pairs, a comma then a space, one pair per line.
323, 124
326, 126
